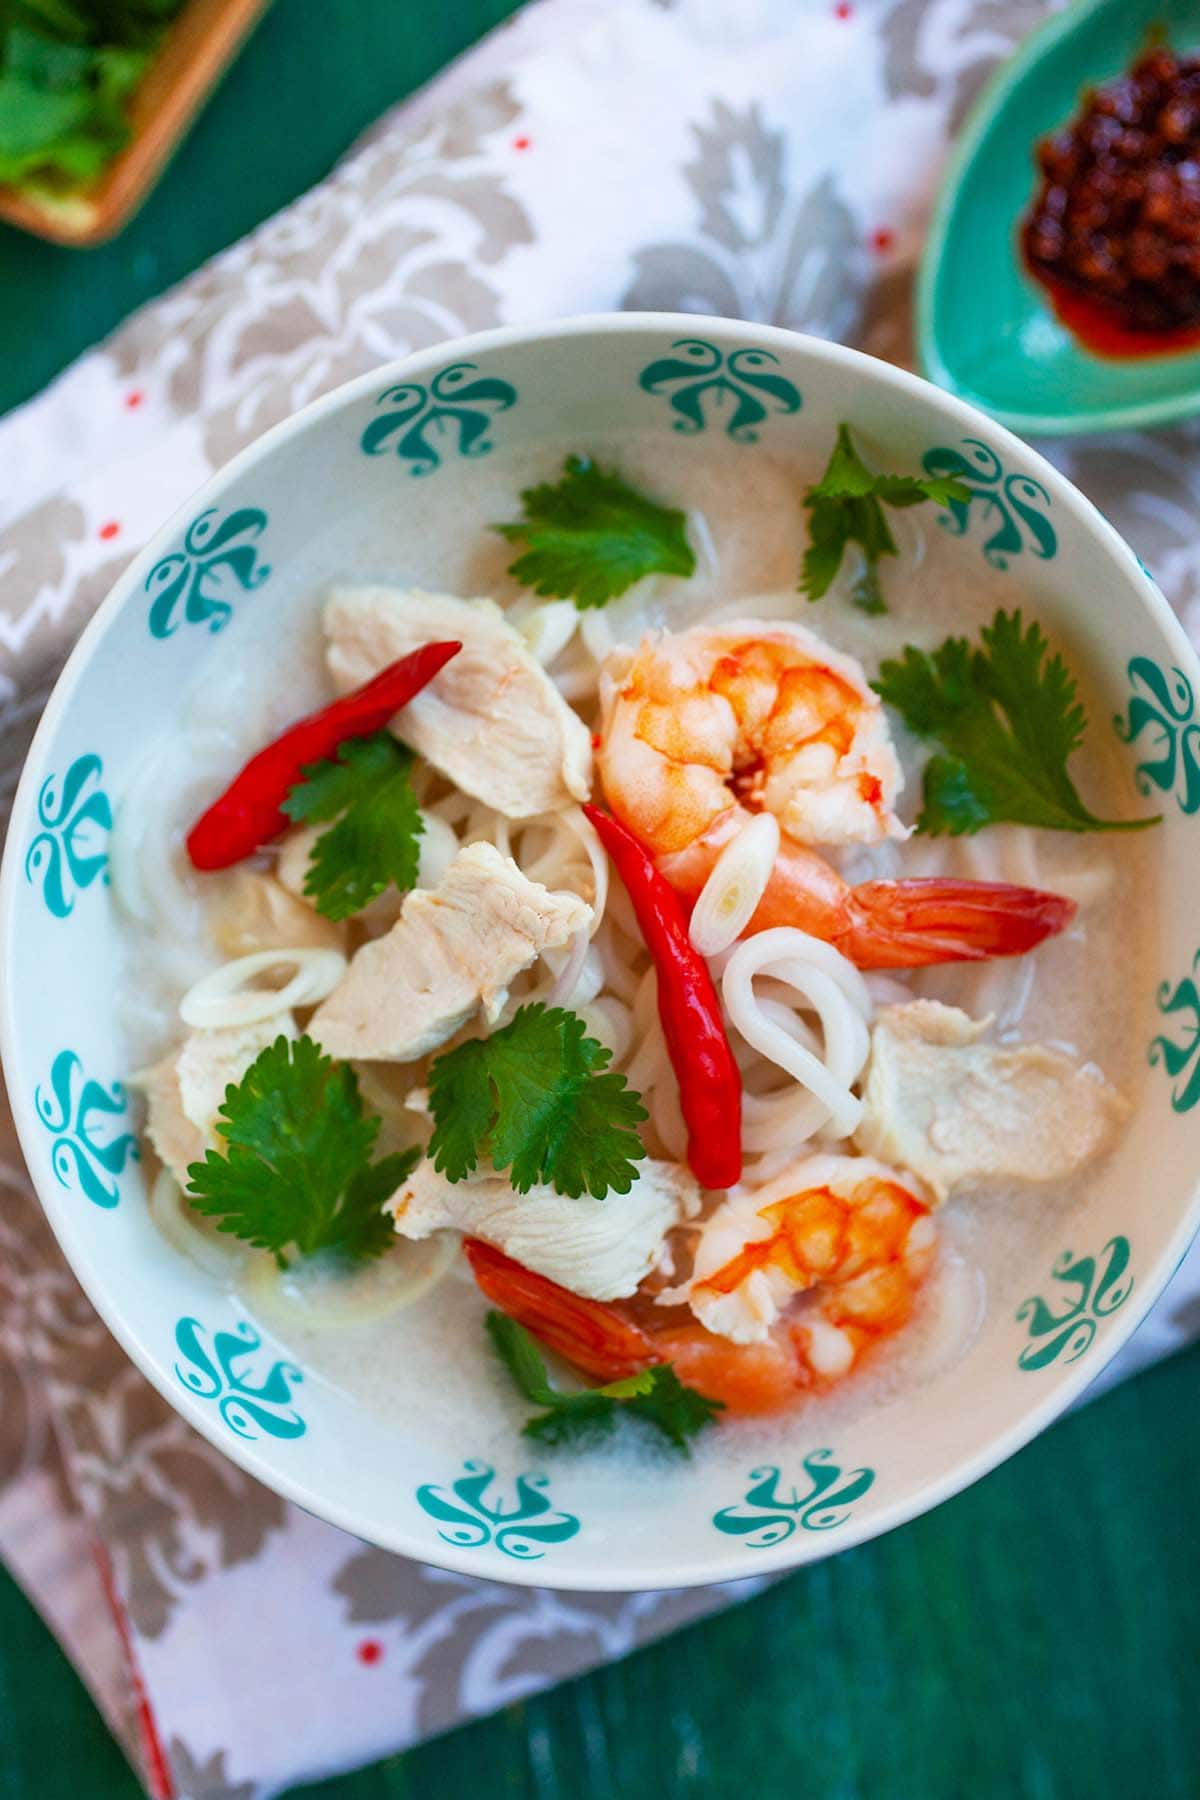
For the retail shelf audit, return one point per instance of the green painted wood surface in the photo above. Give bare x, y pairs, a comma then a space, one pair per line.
1036, 1639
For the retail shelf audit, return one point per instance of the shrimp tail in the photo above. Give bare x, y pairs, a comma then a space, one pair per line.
601, 1342
590, 1335
906, 924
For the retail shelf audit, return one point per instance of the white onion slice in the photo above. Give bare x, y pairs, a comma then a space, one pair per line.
227, 996
736, 885
216, 1253
549, 629
324, 1293
437, 848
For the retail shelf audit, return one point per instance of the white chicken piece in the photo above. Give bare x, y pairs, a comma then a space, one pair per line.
184, 1089
492, 719
453, 949
601, 1249
252, 911
957, 1111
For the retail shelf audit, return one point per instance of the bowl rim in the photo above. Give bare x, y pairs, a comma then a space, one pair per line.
1127, 415
64, 1218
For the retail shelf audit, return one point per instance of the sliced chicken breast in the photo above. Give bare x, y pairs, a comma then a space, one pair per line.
492, 720
956, 1111
184, 1089
599, 1248
455, 948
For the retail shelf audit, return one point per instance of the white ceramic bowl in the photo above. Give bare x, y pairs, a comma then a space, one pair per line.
298, 506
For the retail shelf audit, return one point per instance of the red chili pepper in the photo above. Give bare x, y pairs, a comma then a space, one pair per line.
710, 1087
249, 812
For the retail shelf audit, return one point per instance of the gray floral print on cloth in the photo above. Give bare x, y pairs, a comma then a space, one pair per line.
170, 1507
388, 256
759, 251
946, 49
196, 1777
477, 1645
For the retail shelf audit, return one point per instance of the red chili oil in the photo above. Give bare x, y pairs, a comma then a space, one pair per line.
1114, 232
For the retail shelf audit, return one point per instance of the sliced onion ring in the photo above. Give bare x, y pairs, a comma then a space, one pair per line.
226, 997
323, 1293
737, 883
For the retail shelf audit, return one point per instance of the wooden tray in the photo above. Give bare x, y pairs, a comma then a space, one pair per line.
194, 54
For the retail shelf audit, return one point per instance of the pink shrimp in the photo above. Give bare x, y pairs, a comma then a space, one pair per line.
865, 1248
701, 728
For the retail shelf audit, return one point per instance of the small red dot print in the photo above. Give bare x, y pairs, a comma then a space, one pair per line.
843, 10
110, 530
134, 398
521, 143
883, 240
370, 1651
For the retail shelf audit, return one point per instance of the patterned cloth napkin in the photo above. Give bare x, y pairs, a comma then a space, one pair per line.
763, 158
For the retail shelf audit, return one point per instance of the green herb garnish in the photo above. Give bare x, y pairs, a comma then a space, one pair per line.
67, 71
296, 1169
590, 536
846, 507
375, 843
534, 1096
1007, 716
655, 1395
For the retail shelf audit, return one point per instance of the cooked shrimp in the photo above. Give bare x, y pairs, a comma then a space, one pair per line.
847, 1227
700, 729
863, 1249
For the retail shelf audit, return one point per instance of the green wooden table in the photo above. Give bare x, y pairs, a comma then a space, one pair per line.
1036, 1639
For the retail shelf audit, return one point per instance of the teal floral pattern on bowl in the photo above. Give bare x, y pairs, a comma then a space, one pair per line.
1063, 1327
1009, 504
1179, 1055
80, 1114
210, 1370
766, 1516
1164, 708
70, 851
424, 421
219, 557
705, 386
469, 1519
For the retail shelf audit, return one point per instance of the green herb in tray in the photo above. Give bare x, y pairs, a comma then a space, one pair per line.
68, 69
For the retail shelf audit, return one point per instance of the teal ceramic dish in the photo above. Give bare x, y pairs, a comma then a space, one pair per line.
395, 476
985, 328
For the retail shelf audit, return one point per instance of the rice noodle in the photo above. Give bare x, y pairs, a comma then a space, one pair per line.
825, 984
226, 995
737, 883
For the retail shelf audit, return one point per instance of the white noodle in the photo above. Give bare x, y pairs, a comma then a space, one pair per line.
737, 883
226, 995
825, 984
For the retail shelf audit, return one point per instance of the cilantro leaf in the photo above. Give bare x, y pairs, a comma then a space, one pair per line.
590, 536
375, 842
655, 1395
66, 75
1006, 717
846, 507
296, 1169
534, 1096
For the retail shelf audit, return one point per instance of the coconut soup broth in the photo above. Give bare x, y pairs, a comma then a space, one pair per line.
747, 526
